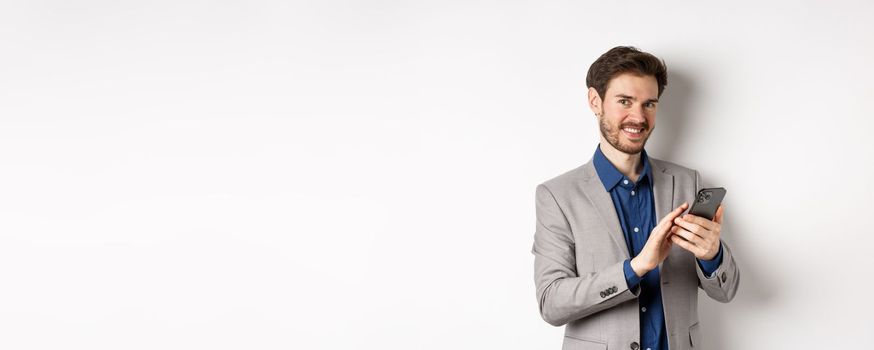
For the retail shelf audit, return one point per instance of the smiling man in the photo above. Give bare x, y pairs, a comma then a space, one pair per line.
615, 258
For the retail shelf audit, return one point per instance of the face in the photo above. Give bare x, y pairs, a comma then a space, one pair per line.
627, 111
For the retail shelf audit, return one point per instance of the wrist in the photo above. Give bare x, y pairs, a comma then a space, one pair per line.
710, 256
639, 268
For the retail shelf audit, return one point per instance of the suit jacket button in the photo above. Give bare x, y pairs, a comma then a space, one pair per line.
635, 346
603, 294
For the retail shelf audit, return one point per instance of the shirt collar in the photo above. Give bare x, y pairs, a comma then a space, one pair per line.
610, 176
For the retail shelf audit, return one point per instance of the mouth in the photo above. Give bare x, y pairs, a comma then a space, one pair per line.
633, 132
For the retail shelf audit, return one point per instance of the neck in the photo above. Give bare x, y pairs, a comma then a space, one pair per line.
627, 164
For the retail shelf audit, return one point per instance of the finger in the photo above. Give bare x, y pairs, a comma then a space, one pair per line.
718, 217
695, 219
661, 230
688, 236
674, 213
686, 245
691, 227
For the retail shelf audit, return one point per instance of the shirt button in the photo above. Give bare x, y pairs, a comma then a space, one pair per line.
636, 229
632, 193
625, 182
643, 309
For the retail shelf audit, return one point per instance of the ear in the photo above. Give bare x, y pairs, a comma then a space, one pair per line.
594, 101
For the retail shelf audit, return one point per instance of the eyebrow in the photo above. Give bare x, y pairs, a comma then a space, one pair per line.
634, 99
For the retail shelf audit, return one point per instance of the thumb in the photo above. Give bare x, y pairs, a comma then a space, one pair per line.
718, 216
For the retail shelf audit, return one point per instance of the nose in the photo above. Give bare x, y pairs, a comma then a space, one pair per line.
637, 114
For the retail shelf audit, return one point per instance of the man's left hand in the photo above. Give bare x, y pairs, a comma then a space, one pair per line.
698, 235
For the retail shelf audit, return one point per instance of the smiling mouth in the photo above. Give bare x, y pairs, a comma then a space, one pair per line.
633, 132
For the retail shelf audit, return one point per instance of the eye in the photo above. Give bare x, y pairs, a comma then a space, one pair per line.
650, 105
624, 102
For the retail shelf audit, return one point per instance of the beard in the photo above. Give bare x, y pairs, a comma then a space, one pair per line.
611, 134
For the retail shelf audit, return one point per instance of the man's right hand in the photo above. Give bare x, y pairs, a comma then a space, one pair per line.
658, 245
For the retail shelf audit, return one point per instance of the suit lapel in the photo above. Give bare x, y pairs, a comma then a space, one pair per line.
663, 190
603, 203
663, 195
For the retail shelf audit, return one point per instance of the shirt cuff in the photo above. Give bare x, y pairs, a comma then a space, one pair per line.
630, 276
709, 266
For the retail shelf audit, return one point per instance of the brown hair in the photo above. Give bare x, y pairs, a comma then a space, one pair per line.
625, 59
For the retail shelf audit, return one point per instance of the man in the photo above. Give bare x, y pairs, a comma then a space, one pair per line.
603, 265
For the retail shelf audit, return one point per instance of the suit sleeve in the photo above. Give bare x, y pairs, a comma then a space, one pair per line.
723, 283
563, 295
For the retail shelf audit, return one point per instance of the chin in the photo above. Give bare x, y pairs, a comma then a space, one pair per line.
633, 147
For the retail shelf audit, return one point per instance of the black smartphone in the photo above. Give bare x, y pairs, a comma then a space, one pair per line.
707, 201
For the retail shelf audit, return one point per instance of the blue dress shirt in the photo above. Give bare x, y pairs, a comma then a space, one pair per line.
635, 206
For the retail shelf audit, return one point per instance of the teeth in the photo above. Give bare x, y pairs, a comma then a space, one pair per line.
635, 131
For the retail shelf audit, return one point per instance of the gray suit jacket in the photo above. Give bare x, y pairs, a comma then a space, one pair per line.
579, 250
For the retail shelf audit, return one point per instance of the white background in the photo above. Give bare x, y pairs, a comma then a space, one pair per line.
361, 174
